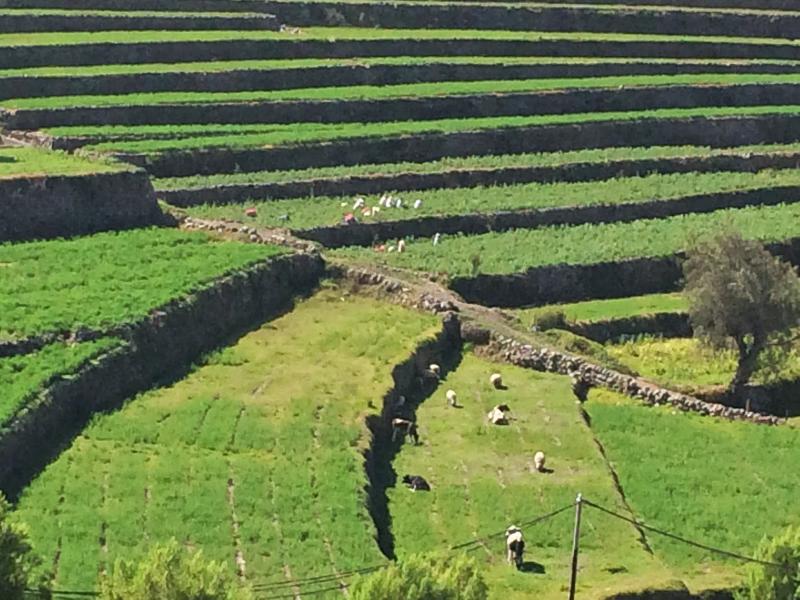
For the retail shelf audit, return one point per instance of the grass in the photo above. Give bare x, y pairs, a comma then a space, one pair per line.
78, 13
36, 162
615, 308
23, 377
109, 278
303, 63
333, 34
453, 163
726, 484
581, 244
314, 212
483, 480
690, 365
288, 432
408, 90
194, 137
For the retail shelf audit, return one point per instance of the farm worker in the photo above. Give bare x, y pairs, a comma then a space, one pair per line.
515, 545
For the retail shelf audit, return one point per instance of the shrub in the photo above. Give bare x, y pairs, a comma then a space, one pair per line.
170, 572
18, 565
424, 577
550, 319
778, 582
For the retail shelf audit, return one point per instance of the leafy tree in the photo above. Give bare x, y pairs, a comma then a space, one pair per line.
780, 581
738, 292
170, 572
424, 577
18, 565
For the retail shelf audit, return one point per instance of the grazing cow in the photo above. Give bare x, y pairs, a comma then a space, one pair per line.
515, 546
538, 461
403, 428
416, 483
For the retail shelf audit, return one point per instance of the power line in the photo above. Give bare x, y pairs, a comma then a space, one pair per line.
681, 539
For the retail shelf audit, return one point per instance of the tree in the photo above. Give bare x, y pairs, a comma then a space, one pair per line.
19, 567
423, 577
171, 572
778, 581
738, 292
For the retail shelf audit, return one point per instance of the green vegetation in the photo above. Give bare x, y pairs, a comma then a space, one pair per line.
33, 162
424, 577
23, 377
482, 480
455, 163
280, 414
581, 244
171, 572
778, 580
301, 63
109, 278
615, 308
723, 483
386, 92
244, 136
18, 563
315, 212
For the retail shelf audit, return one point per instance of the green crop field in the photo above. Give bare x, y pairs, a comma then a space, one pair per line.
279, 415
256, 451
315, 212
33, 162
108, 279
580, 244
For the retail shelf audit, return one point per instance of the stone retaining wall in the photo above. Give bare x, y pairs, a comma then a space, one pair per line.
665, 324
61, 206
365, 234
713, 131
168, 52
570, 283
556, 102
355, 74
165, 342
465, 178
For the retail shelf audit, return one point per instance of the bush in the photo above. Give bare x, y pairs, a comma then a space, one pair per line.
170, 572
424, 577
550, 319
18, 565
779, 582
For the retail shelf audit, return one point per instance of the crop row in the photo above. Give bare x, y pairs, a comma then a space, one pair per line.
108, 279
243, 136
518, 250
315, 212
32, 162
449, 164
285, 430
412, 90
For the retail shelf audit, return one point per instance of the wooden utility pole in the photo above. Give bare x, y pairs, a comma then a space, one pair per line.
573, 578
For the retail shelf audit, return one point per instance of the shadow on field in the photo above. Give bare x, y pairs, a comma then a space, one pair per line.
532, 568
380, 455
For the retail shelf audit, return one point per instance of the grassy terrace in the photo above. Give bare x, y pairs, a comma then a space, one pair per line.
725, 483
29, 162
687, 364
22, 377
77, 13
359, 33
581, 244
448, 164
615, 308
482, 480
314, 212
177, 137
108, 279
415, 90
304, 63
285, 430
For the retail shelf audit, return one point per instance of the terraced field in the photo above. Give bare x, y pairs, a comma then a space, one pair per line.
546, 157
